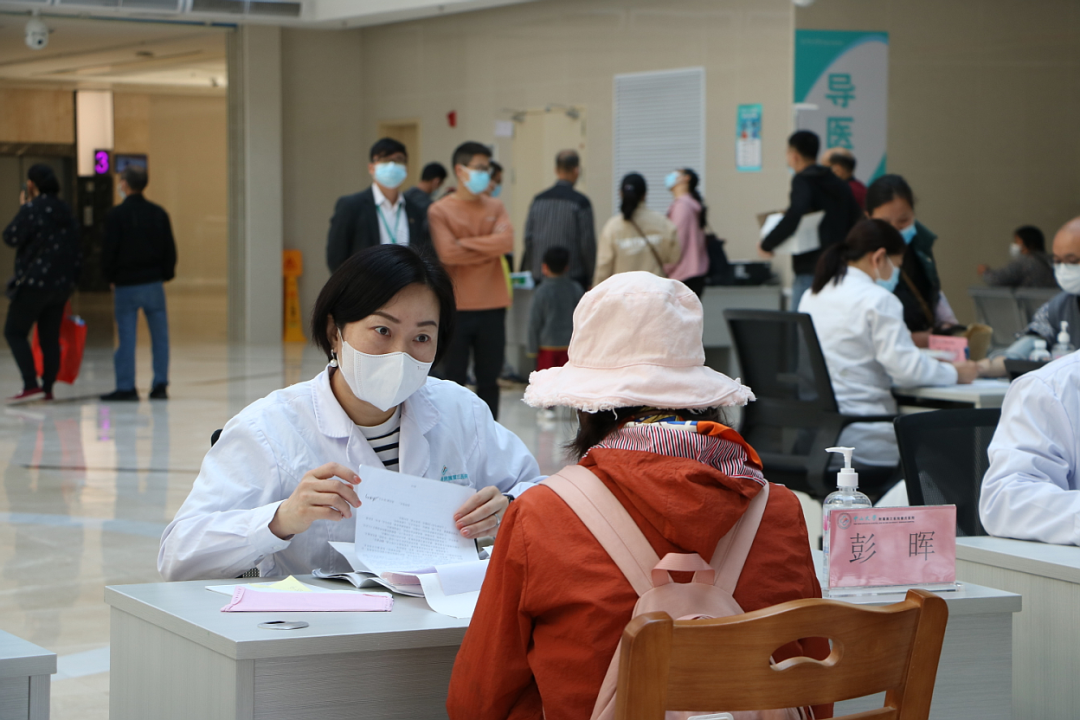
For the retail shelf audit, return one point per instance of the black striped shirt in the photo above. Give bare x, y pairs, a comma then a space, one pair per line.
385, 439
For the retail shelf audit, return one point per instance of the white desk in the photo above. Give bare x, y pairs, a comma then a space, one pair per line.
1046, 659
974, 677
983, 393
25, 670
175, 655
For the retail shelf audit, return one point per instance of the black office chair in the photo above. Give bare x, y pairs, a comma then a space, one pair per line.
944, 456
1016, 368
999, 308
795, 416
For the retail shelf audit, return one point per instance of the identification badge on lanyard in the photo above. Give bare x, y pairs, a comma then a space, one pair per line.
397, 222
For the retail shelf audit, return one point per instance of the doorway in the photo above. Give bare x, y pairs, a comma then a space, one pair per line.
539, 135
406, 132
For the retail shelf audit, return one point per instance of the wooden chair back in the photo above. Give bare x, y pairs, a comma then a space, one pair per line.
724, 664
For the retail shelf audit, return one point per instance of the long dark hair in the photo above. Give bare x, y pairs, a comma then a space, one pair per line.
866, 237
886, 189
594, 427
692, 185
370, 279
632, 191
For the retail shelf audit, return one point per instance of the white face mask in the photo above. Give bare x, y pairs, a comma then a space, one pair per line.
1015, 251
1068, 277
384, 381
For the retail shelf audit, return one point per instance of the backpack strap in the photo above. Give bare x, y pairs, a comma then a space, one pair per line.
730, 554
609, 522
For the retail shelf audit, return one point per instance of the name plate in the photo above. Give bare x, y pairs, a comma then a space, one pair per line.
889, 547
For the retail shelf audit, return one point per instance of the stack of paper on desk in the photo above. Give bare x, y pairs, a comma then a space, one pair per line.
245, 599
407, 541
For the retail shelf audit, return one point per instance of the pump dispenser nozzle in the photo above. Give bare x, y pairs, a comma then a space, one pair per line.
846, 478
1063, 336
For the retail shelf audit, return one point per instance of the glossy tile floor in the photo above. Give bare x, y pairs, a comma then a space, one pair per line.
88, 488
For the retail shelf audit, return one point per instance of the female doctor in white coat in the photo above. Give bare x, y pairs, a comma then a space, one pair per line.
867, 346
279, 484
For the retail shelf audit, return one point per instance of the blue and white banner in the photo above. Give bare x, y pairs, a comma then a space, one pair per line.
841, 93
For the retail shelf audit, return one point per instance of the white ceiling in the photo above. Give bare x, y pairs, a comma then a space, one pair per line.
311, 13
168, 43
96, 53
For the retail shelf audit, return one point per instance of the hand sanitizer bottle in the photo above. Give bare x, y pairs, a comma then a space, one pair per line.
1064, 344
846, 497
1040, 353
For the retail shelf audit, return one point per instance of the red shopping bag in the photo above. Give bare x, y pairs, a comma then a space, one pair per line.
72, 344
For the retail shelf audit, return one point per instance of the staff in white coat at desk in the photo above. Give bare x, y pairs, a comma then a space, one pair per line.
867, 346
1032, 489
279, 484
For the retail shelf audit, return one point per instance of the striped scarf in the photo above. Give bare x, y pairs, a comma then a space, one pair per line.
710, 443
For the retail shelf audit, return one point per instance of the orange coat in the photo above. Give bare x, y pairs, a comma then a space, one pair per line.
554, 605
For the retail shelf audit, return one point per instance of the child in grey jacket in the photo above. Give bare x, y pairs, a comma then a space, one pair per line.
551, 319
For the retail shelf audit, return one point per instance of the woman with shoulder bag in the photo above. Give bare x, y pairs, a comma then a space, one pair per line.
637, 238
48, 258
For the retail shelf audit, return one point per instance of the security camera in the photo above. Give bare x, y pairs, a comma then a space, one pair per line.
37, 34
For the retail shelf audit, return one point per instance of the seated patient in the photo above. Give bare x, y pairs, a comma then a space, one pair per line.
1032, 489
554, 604
867, 346
1046, 323
279, 483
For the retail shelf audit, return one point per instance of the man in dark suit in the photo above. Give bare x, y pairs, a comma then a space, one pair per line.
379, 215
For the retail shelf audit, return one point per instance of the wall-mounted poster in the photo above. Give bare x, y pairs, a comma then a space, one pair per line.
748, 138
841, 93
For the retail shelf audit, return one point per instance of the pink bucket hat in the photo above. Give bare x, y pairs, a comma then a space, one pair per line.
636, 342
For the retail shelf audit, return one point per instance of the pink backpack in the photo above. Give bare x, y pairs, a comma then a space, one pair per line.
709, 595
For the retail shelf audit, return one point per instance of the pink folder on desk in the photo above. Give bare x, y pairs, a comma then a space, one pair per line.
247, 600
958, 346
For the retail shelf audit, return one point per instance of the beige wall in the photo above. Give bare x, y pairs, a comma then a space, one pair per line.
338, 86
565, 51
184, 139
37, 116
323, 153
983, 105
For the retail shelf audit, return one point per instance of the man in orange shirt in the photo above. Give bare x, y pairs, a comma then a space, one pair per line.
471, 232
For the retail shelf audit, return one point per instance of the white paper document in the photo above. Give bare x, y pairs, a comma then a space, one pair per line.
460, 606
805, 238
406, 523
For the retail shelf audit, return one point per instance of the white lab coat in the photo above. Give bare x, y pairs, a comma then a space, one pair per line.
222, 529
1032, 489
868, 350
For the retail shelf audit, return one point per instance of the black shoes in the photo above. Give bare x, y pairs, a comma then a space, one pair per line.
159, 392
121, 396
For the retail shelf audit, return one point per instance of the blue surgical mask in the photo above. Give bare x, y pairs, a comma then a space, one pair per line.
390, 174
672, 179
908, 233
893, 280
497, 191
478, 180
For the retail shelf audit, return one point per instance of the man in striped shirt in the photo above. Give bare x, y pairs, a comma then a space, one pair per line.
561, 216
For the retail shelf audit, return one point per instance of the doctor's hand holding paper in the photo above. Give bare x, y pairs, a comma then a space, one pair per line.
281, 482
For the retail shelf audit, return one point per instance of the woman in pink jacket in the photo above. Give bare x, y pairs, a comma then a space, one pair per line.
688, 212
